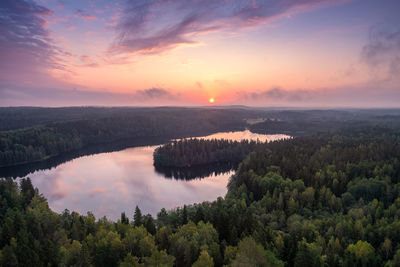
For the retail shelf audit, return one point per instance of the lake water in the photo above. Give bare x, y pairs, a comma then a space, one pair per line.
110, 183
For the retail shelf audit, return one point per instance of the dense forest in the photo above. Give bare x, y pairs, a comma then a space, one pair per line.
41, 142
330, 199
297, 123
194, 151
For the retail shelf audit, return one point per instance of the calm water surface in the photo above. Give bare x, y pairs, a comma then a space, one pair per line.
110, 183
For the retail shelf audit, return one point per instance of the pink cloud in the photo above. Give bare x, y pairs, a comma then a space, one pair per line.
83, 15
96, 190
142, 27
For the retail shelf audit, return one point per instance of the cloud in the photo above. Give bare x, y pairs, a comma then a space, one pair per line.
20, 96
95, 191
57, 196
25, 45
382, 51
357, 96
157, 25
154, 93
278, 94
88, 61
362, 95
84, 15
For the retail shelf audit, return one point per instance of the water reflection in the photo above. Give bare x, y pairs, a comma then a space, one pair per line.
25, 169
110, 183
246, 134
195, 172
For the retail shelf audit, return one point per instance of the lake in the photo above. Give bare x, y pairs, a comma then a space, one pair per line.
110, 183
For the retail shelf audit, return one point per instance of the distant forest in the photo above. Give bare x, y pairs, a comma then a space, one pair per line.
326, 199
29, 134
69, 133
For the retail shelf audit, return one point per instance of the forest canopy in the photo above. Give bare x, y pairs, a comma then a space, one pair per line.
194, 152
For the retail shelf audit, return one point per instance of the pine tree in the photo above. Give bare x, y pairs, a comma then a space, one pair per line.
184, 215
137, 217
124, 218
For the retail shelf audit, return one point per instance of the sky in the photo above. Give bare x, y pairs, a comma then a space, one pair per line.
269, 53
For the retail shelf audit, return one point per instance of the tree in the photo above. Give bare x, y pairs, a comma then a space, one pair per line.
184, 215
363, 253
308, 255
139, 242
396, 258
162, 218
159, 259
130, 261
27, 190
387, 247
251, 254
9, 258
149, 224
162, 237
124, 219
137, 217
199, 216
71, 254
108, 250
333, 252
204, 260
190, 239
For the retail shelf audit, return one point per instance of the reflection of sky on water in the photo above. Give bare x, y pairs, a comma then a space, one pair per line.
110, 183
246, 134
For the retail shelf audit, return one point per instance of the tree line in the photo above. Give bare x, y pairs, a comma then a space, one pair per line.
194, 152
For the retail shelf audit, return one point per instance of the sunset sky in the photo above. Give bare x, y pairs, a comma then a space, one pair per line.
303, 53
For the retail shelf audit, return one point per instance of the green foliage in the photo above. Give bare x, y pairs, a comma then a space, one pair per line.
130, 261
363, 253
251, 254
396, 258
192, 152
229, 254
137, 217
75, 254
124, 218
204, 260
367, 189
308, 255
139, 242
190, 239
159, 259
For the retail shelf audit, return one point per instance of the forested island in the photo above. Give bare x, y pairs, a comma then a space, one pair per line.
197, 158
326, 199
195, 152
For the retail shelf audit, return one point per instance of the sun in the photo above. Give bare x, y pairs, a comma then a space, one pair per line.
211, 100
